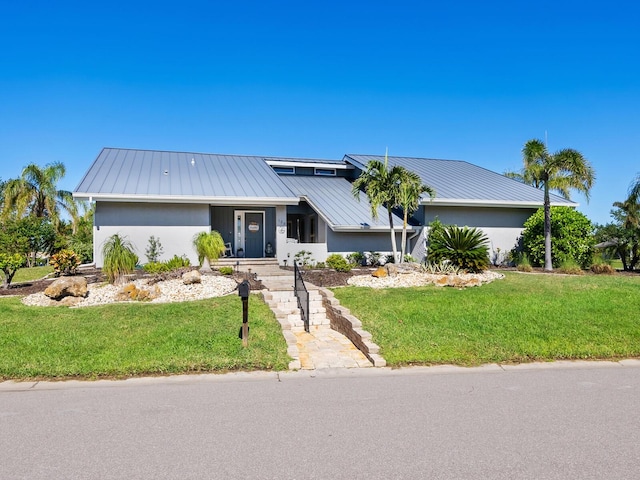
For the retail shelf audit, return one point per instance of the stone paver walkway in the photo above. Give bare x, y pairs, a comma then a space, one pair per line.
323, 347
319, 348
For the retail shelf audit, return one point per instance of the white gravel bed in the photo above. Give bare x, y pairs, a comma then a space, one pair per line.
416, 279
169, 291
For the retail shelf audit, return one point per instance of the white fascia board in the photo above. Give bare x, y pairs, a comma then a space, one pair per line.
455, 202
337, 166
240, 201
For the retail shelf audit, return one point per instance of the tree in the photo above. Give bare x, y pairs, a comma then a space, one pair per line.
381, 184
622, 238
562, 172
572, 234
409, 196
36, 193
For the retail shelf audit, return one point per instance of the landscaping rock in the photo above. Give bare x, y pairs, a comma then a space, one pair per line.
191, 277
380, 273
67, 287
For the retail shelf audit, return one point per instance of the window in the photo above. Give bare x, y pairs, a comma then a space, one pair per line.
284, 170
327, 172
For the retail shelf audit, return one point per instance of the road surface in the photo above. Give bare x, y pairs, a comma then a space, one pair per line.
562, 421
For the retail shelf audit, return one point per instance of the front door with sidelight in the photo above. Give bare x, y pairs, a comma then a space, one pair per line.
253, 234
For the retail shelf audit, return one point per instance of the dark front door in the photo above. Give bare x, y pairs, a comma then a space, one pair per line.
253, 235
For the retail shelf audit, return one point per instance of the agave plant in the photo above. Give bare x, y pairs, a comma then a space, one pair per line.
118, 257
465, 247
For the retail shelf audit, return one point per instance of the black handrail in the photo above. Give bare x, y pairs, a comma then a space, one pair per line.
302, 294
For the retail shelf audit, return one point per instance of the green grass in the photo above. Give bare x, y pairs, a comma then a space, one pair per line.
136, 339
521, 318
33, 273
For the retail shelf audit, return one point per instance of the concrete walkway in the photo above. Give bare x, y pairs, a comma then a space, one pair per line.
319, 348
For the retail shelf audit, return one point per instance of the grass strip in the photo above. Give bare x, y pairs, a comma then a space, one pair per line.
519, 319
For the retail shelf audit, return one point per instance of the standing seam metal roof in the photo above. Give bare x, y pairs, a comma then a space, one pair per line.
460, 181
332, 198
149, 174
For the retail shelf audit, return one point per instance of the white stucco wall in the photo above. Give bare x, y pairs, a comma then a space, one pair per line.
173, 224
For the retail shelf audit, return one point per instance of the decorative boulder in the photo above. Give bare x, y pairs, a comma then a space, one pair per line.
381, 272
191, 277
67, 287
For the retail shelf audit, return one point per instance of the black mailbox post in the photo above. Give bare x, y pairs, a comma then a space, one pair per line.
243, 291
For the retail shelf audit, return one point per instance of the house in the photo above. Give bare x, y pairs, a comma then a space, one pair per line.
275, 206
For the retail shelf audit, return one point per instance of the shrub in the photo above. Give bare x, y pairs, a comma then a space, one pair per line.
303, 258
119, 258
338, 263
209, 245
571, 237
408, 258
373, 259
320, 265
465, 247
154, 249
602, 269
177, 262
570, 267
155, 267
226, 270
523, 264
65, 262
356, 258
445, 267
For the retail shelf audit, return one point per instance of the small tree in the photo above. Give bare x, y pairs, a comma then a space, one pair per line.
119, 258
9, 265
154, 249
572, 235
209, 246
409, 196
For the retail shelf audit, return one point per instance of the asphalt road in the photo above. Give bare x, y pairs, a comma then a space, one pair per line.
567, 421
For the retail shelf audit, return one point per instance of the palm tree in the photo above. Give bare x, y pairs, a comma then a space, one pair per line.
381, 184
562, 171
634, 190
36, 192
411, 191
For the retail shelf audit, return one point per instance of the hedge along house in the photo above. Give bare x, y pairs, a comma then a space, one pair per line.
272, 206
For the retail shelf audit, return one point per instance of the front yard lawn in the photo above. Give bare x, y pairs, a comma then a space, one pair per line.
136, 339
519, 319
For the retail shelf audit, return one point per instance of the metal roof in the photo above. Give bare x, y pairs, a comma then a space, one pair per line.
155, 176
331, 197
461, 183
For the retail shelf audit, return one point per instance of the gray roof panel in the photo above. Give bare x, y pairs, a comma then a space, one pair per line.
331, 197
156, 175
461, 182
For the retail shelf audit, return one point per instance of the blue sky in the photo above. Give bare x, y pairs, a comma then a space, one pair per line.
456, 80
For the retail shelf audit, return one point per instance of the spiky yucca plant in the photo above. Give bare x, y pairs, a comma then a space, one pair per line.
465, 247
118, 257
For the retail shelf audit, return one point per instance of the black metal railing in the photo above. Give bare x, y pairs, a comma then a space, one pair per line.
302, 294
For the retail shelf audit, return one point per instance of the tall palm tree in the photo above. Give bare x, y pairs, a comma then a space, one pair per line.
36, 192
411, 191
562, 171
634, 190
381, 184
